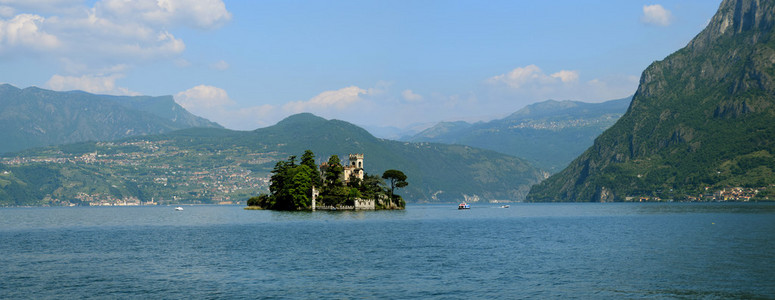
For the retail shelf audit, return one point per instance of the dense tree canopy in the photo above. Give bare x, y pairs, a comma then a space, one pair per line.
291, 185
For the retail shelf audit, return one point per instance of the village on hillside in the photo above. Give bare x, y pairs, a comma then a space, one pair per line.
732, 194
169, 182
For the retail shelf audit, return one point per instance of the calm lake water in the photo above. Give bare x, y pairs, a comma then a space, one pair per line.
679, 250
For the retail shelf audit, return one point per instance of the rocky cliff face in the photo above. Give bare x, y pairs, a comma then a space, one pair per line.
702, 117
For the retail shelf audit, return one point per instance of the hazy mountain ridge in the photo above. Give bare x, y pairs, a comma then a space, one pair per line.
549, 134
34, 117
702, 117
206, 165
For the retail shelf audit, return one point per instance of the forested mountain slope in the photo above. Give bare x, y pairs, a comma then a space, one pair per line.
34, 117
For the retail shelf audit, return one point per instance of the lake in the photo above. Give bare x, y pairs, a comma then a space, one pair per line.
590, 250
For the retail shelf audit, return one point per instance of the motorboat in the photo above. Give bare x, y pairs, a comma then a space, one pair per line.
178, 208
463, 206
505, 206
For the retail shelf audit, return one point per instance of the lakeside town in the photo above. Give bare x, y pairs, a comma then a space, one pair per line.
231, 180
603, 121
730, 194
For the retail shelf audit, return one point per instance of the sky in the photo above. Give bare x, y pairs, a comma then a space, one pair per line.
249, 64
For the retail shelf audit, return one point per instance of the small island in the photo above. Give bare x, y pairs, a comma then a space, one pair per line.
329, 186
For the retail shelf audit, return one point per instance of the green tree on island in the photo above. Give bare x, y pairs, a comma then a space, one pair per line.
308, 159
291, 185
372, 186
333, 191
299, 189
334, 171
397, 180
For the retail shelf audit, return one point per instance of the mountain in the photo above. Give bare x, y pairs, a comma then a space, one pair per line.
34, 117
396, 133
702, 119
206, 165
443, 132
550, 134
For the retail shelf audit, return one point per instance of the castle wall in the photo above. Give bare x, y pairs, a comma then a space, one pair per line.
360, 204
364, 204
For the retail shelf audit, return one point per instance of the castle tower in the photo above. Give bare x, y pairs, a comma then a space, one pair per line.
356, 160
355, 167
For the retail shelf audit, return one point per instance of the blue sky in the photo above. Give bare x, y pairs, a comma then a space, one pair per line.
248, 64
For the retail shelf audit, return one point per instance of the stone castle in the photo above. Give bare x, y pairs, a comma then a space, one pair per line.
353, 168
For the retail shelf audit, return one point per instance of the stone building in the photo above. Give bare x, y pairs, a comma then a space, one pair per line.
353, 167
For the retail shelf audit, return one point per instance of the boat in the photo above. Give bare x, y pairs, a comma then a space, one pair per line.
463, 206
504, 206
178, 208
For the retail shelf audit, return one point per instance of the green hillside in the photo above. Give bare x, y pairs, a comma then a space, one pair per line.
209, 165
549, 134
34, 117
704, 117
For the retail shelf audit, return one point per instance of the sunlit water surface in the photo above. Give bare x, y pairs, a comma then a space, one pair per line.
683, 250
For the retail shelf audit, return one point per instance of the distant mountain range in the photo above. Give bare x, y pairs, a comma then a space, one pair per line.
702, 119
207, 165
34, 117
550, 134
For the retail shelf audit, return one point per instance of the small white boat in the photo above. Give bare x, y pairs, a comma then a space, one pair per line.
178, 208
504, 206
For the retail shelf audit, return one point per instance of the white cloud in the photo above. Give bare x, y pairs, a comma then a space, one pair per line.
532, 76
566, 76
656, 15
25, 31
162, 45
220, 65
338, 100
91, 84
202, 98
411, 96
518, 76
87, 39
204, 14
116, 29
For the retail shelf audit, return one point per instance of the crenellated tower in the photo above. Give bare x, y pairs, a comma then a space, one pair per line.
356, 160
355, 167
